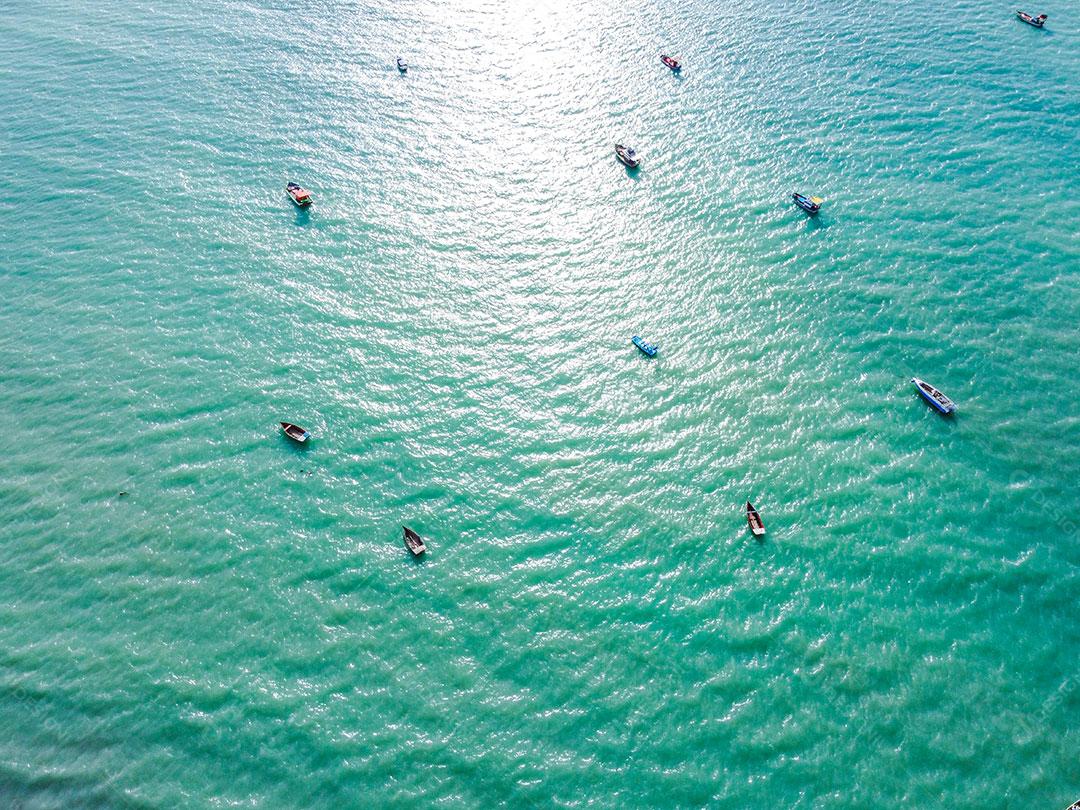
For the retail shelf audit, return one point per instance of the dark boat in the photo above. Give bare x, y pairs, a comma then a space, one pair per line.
754, 519
670, 61
413, 542
301, 196
1038, 22
809, 204
942, 404
648, 349
404, 68
295, 432
1074, 806
627, 155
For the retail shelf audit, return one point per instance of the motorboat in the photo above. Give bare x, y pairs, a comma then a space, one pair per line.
402, 65
300, 195
1038, 22
671, 62
414, 542
809, 204
295, 432
649, 349
936, 398
627, 156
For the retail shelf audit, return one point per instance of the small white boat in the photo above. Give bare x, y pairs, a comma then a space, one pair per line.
295, 432
627, 155
402, 66
414, 542
936, 398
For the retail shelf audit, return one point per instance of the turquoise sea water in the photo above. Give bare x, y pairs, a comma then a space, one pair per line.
593, 625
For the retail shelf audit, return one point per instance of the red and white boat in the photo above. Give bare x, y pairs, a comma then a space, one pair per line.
301, 196
1038, 22
671, 62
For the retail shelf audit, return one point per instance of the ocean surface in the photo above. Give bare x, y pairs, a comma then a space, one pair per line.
593, 625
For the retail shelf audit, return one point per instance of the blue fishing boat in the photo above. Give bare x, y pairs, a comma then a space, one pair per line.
809, 204
941, 403
648, 348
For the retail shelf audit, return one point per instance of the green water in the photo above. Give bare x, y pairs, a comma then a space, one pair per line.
593, 625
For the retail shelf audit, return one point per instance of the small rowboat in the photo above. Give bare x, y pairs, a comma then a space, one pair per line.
295, 432
754, 519
413, 542
1038, 22
932, 395
649, 349
671, 62
404, 68
301, 196
809, 204
627, 156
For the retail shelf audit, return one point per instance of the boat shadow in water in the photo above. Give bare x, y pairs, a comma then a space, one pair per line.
634, 173
303, 216
298, 448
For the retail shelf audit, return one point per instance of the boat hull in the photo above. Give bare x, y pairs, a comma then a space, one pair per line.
413, 542
753, 519
295, 432
646, 348
937, 400
625, 158
806, 204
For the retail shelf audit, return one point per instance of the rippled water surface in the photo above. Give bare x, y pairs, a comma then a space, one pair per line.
593, 624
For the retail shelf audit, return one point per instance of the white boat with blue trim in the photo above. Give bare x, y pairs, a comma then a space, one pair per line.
940, 402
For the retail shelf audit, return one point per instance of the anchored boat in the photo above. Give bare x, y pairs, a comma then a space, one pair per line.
413, 542
295, 432
402, 66
754, 519
649, 349
627, 156
671, 62
932, 395
1038, 22
809, 204
301, 196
